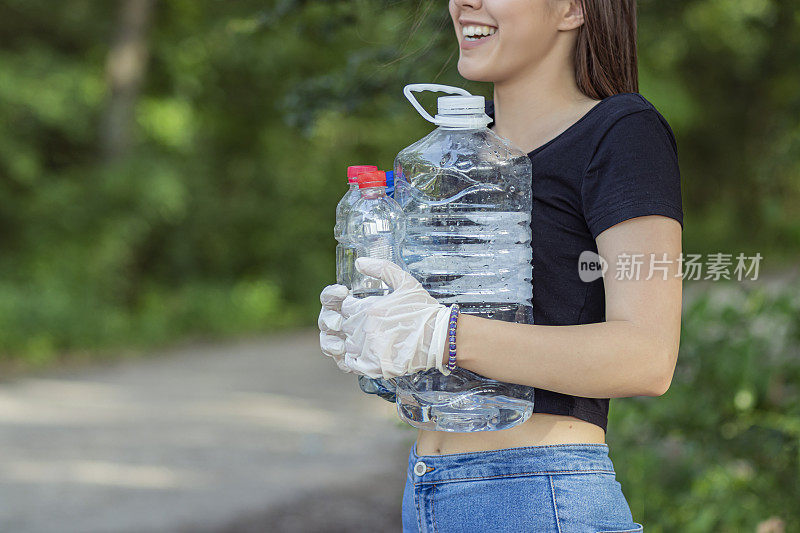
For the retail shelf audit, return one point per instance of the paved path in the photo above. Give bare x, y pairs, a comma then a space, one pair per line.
214, 438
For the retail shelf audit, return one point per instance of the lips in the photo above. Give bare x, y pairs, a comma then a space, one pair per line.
470, 43
475, 33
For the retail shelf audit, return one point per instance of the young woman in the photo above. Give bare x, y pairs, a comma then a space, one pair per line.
605, 180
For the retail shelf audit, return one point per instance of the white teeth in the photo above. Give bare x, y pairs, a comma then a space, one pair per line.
478, 31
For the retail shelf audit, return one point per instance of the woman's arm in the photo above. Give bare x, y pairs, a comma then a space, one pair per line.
632, 353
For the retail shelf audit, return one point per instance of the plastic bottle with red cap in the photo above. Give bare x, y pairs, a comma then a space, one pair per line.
345, 253
376, 228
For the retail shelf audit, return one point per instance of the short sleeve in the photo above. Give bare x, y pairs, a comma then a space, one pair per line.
634, 172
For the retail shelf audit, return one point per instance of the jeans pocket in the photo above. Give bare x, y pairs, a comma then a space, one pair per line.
639, 528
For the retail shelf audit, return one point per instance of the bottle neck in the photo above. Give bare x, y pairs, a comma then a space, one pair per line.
373, 192
464, 122
461, 128
353, 186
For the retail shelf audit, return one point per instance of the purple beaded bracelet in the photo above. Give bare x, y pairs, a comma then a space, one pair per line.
451, 336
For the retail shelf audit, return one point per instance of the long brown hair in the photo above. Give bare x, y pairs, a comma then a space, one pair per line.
605, 52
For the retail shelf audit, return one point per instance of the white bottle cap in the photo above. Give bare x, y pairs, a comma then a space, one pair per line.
463, 111
461, 105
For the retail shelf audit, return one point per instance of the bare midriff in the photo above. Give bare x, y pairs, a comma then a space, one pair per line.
541, 429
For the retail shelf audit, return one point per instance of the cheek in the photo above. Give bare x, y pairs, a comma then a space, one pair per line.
453, 10
528, 24
518, 47
454, 25
524, 41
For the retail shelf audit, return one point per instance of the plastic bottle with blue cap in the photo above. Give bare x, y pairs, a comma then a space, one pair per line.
390, 183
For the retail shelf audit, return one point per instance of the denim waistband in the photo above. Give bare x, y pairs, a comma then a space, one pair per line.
509, 462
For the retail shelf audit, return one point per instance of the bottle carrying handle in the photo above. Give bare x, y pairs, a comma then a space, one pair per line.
408, 91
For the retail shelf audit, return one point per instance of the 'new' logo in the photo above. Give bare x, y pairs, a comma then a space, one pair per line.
591, 266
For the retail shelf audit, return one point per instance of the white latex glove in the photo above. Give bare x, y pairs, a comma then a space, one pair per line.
331, 338
400, 333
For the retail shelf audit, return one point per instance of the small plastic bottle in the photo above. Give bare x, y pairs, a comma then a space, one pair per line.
376, 228
390, 183
345, 254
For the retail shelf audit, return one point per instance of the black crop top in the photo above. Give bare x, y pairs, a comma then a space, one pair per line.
617, 162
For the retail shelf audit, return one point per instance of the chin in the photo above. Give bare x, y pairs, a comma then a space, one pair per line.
474, 72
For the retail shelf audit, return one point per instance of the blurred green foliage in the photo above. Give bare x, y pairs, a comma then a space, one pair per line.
720, 451
217, 218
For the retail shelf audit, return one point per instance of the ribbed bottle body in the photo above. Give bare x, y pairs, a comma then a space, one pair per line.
466, 194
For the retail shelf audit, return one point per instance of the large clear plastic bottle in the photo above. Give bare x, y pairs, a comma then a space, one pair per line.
375, 227
345, 254
466, 193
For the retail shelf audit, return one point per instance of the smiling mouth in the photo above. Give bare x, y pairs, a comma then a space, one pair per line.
473, 33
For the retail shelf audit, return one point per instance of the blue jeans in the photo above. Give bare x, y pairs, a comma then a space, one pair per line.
563, 488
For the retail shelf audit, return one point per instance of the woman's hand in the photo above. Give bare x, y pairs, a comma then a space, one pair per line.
331, 338
400, 333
